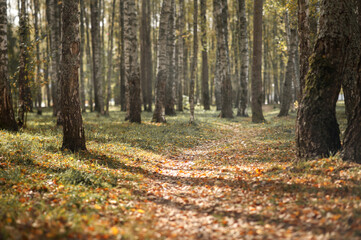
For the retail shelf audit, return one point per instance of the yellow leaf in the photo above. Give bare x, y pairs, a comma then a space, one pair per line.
114, 231
97, 207
140, 210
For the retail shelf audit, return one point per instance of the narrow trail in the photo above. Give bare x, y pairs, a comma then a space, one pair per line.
198, 196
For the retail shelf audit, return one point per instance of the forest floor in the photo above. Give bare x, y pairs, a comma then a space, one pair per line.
216, 179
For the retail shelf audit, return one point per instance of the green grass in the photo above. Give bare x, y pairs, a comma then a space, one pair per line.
47, 193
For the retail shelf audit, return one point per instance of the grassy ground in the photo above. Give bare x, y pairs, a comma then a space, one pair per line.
216, 179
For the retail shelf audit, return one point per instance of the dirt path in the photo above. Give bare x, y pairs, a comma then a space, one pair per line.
195, 195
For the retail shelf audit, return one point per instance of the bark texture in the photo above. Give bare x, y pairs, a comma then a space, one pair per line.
290, 69
317, 130
220, 11
352, 145
181, 43
73, 130
194, 60
123, 99
205, 74
7, 118
110, 59
243, 98
82, 44
159, 111
146, 64
170, 85
25, 98
131, 61
257, 114
97, 59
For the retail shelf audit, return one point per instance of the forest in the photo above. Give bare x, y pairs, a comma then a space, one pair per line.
180, 119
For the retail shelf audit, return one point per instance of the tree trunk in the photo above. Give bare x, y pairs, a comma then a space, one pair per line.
181, 41
351, 73
73, 131
7, 118
131, 61
97, 57
46, 72
257, 114
25, 100
38, 98
290, 71
110, 60
304, 43
317, 130
159, 111
170, 85
123, 99
194, 60
243, 98
220, 11
89, 61
82, 43
205, 77
146, 72
352, 145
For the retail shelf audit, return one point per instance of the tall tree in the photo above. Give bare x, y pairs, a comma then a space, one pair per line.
7, 118
257, 114
131, 61
194, 60
123, 99
73, 130
159, 111
304, 43
146, 64
170, 85
352, 145
82, 44
37, 26
110, 58
317, 130
205, 75
25, 100
220, 12
242, 21
290, 71
181, 65
89, 58
53, 21
97, 56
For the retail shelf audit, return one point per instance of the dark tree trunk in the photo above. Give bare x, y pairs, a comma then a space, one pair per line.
181, 65
7, 118
159, 111
123, 103
257, 114
25, 100
97, 57
317, 130
131, 61
205, 77
170, 85
74, 136
243, 98
352, 145
82, 44
146, 64
223, 68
